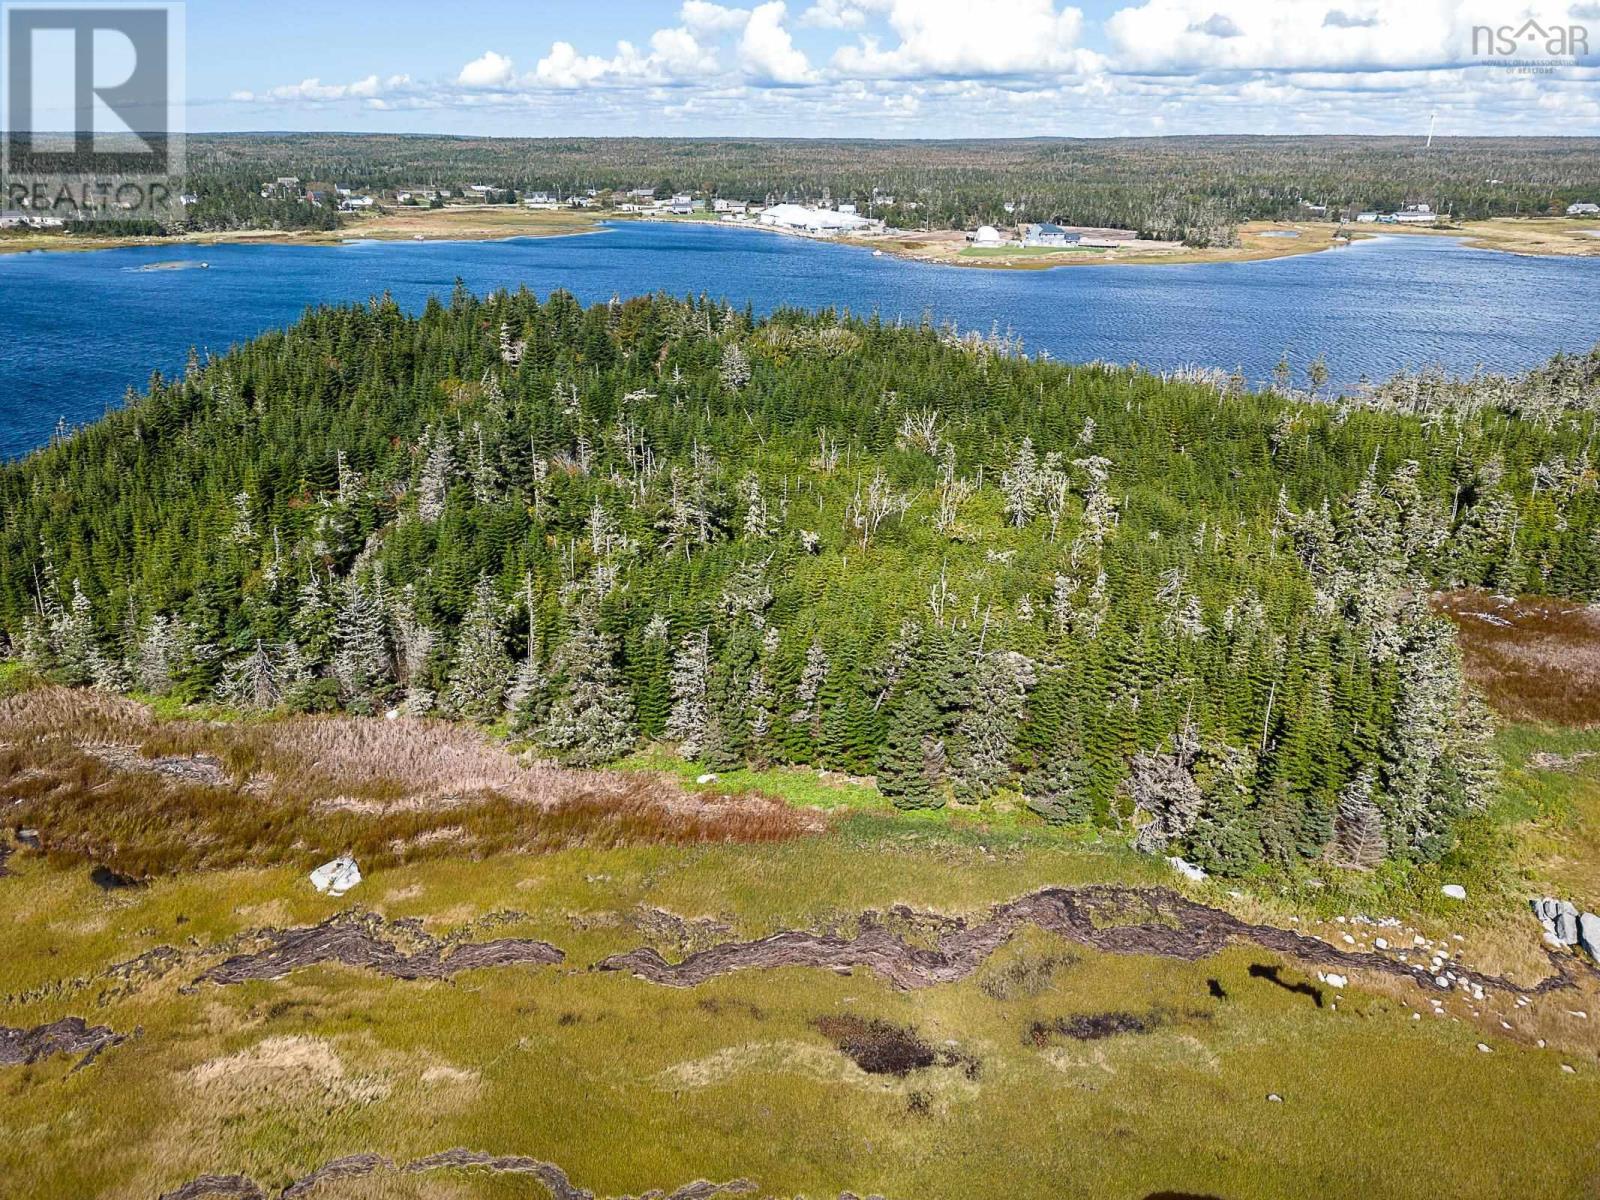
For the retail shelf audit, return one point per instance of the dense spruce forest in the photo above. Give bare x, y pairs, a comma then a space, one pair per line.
1187, 188
1161, 603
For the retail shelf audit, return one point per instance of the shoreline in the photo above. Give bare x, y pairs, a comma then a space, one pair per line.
1259, 241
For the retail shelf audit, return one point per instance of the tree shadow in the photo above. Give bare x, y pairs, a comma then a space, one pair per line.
1271, 975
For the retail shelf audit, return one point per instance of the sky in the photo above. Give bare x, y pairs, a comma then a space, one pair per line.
896, 68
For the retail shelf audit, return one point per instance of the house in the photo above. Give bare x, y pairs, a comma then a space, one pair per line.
987, 235
1583, 209
1366, 218
848, 209
1046, 234
1415, 214
352, 203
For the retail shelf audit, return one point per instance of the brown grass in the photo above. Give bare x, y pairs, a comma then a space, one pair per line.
1534, 658
104, 781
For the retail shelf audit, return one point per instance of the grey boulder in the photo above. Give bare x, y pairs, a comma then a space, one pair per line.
1589, 934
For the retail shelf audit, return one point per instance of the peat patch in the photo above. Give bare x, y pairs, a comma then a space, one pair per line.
883, 1048
1091, 1027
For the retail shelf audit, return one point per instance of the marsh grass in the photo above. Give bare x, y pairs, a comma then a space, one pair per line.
629, 1086
107, 782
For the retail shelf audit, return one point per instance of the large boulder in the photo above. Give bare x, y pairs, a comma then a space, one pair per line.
1566, 930
1454, 890
1589, 934
337, 877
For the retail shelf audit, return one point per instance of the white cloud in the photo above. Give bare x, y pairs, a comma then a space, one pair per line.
954, 38
767, 51
1009, 68
833, 14
702, 17
491, 70
1212, 35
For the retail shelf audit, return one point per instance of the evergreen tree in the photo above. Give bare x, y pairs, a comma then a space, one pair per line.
591, 717
481, 670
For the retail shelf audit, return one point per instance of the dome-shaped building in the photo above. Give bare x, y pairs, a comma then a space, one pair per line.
987, 235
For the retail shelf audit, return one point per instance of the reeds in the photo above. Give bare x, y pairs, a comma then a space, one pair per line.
105, 782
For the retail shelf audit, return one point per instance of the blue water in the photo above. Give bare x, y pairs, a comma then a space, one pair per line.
77, 329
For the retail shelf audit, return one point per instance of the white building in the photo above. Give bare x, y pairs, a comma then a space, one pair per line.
987, 235
812, 220
1366, 218
1416, 214
1583, 209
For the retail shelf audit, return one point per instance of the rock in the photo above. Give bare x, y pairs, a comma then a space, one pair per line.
1589, 934
1566, 929
1332, 980
337, 877
1569, 1068
1545, 908
1274, 1097
1441, 981
1454, 890
1187, 869
1381, 943
1484, 1048
30, 838
708, 777
1568, 907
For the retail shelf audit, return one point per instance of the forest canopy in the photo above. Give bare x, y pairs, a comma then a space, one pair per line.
1165, 603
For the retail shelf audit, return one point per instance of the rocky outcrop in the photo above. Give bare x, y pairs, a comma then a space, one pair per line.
365, 940
1564, 925
69, 1035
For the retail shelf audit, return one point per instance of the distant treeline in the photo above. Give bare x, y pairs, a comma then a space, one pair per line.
1192, 188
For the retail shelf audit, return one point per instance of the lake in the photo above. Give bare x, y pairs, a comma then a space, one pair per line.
80, 328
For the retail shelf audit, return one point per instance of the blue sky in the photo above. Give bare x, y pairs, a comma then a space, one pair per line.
924, 68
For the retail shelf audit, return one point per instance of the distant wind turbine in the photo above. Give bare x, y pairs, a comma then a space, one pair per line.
1432, 117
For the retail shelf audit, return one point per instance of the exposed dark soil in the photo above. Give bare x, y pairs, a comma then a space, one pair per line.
355, 1166
878, 1047
69, 1035
883, 1048
1091, 1027
366, 940
1106, 917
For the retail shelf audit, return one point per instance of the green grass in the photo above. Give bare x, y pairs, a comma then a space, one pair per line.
630, 1086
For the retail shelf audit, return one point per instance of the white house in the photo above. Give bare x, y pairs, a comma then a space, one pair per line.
1416, 214
987, 235
1583, 208
1366, 218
